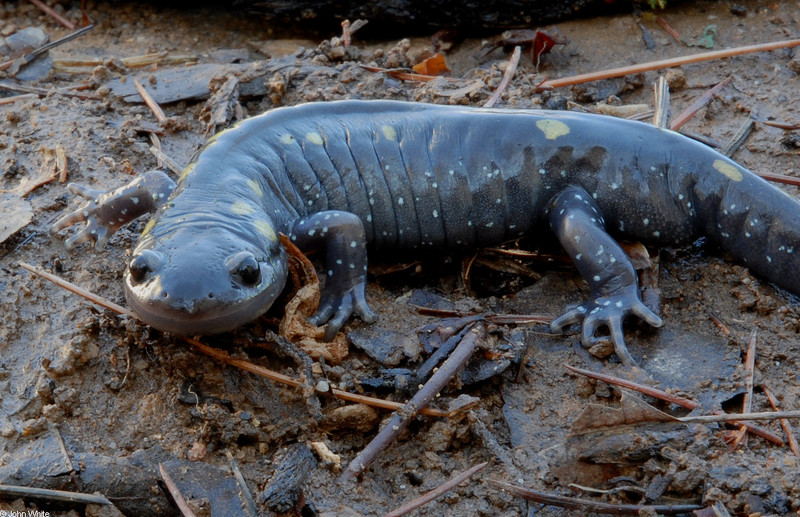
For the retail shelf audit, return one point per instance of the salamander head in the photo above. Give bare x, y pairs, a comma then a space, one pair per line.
203, 283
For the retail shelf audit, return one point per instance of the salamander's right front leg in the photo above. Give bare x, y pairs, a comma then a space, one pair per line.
341, 236
107, 212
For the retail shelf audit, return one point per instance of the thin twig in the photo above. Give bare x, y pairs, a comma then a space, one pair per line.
66, 92
166, 160
152, 104
511, 68
15, 98
61, 164
348, 29
787, 427
747, 400
780, 125
27, 58
662, 395
436, 492
738, 139
720, 324
704, 99
661, 89
667, 63
780, 178
69, 286
668, 29
250, 505
735, 417
52, 495
400, 419
225, 358
573, 503
404, 75
46, 9
176, 494
647, 390
247, 366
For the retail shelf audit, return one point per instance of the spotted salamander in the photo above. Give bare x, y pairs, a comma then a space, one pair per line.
343, 176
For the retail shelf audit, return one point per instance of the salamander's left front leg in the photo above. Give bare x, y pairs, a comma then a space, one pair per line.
612, 278
341, 236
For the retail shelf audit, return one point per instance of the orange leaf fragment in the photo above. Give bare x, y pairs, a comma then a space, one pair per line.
434, 65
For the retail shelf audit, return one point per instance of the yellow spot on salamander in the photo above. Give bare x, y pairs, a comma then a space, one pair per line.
189, 168
552, 128
255, 187
265, 229
214, 138
242, 208
728, 170
314, 138
287, 139
388, 132
148, 227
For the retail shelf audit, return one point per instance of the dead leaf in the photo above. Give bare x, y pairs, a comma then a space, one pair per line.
632, 410
434, 65
295, 326
47, 172
17, 213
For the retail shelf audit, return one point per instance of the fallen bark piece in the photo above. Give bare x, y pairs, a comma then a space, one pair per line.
17, 213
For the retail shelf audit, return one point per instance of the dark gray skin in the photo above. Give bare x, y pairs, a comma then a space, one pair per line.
342, 176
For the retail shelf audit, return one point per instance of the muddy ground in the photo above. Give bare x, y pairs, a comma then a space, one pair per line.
92, 401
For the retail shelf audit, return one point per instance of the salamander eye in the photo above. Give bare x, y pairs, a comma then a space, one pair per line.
143, 263
245, 269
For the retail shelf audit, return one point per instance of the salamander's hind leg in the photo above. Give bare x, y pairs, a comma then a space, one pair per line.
341, 236
577, 222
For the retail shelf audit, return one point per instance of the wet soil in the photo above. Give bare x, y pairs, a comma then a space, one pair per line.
86, 390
